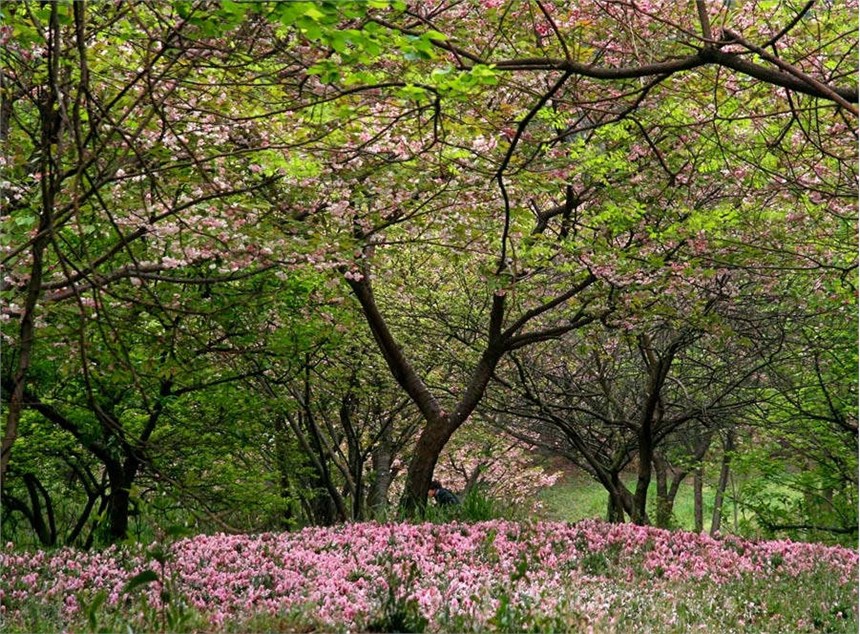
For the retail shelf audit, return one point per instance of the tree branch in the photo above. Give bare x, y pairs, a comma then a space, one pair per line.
824, 90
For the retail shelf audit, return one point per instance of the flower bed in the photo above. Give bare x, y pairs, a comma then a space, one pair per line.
443, 577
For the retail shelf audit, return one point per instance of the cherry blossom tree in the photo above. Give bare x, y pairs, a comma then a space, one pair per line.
654, 96
120, 221
105, 187
496, 174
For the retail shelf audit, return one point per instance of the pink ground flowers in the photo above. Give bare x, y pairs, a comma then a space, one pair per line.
495, 575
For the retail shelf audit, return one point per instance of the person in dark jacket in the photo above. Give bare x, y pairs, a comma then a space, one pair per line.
443, 496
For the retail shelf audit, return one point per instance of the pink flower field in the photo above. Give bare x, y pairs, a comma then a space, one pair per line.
499, 575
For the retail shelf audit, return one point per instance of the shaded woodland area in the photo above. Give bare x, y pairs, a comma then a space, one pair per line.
272, 264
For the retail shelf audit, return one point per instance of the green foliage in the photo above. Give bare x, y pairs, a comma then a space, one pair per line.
514, 614
808, 505
140, 579
578, 498
475, 506
601, 562
173, 614
230, 161
398, 612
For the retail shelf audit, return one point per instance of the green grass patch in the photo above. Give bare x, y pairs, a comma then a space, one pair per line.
577, 498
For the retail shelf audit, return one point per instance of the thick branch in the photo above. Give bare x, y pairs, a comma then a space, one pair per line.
486, 365
824, 90
397, 362
705, 56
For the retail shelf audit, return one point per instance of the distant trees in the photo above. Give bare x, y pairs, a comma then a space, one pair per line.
626, 401
661, 403
346, 427
804, 435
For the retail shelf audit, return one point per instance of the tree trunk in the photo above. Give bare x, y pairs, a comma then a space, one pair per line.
437, 431
282, 459
643, 480
121, 477
47, 532
51, 145
438, 424
614, 508
472, 480
620, 501
323, 511
335, 504
358, 509
652, 415
27, 331
355, 456
381, 456
96, 526
664, 500
698, 507
119, 503
430, 444
92, 498
717, 517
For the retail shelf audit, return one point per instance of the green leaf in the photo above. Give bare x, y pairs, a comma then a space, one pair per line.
412, 92
310, 27
178, 531
232, 7
328, 71
339, 41
314, 13
435, 35
93, 608
183, 9
140, 579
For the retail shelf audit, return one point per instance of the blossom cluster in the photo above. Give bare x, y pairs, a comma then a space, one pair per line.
462, 574
500, 467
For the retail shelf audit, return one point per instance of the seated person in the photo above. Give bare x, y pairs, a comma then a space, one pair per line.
443, 496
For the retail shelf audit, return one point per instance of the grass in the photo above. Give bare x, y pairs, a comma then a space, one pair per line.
575, 498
